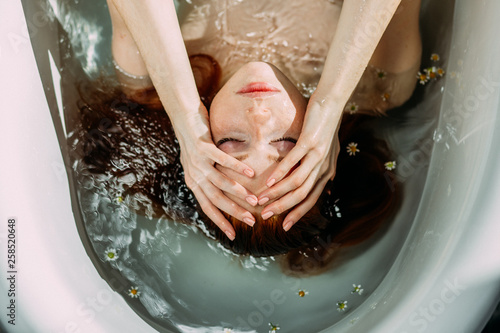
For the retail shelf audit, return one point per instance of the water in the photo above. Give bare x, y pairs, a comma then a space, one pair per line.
188, 282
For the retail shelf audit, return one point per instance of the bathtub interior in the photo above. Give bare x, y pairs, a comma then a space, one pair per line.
402, 268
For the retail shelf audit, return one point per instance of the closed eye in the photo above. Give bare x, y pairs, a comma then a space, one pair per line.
285, 139
221, 141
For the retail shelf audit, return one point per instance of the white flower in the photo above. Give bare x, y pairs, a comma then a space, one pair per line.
352, 149
431, 73
228, 330
351, 107
341, 306
273, 328
302, 293
391, 165
357, 289
134, 292
422, 78
381, 74
110, 254
435, 57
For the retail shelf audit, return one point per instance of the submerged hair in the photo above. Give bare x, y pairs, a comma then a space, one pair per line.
121, 135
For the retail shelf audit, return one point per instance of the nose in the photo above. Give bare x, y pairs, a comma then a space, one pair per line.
259, 115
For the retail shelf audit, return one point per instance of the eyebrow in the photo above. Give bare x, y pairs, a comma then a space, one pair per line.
241, 158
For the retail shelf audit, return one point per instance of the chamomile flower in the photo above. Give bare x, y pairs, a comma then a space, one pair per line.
435, 57
422, 78
134, 292
341, 306
391, 165
273, 328
381, 74
351, 107
440, 71
357, 289
431, 73
352, 149
119, 199
302, 293
110, 254
337, 210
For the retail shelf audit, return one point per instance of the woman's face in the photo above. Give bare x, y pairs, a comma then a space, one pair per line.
256, 117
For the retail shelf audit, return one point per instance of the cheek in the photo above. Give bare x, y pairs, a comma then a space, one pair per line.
231, 147
219, 125
283, 147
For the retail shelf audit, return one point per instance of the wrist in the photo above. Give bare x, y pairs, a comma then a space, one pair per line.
327, 107
191, 125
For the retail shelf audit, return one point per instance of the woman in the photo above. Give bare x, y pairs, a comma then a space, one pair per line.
258, 116
331, 39
255, 117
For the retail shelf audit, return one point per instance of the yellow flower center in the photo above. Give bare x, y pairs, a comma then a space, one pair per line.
111, 255
133, 291
302, 293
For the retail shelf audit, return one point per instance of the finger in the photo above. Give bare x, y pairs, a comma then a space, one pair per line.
214, 213
227, 161
289, 200
221, 201
291, 159
295, 180
305, 206
230, 186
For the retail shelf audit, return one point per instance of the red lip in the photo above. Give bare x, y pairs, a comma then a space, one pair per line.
258, 88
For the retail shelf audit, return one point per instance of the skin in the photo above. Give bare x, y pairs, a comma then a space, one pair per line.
257, 129
390, 41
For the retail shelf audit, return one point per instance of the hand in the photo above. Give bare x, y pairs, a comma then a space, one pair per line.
315, 155
198, 157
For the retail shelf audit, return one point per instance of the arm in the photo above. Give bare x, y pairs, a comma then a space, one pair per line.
147, 39
361, 26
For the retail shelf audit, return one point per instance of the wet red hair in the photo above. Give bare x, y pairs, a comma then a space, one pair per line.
352, 208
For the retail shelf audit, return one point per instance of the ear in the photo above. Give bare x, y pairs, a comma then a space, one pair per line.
207, 74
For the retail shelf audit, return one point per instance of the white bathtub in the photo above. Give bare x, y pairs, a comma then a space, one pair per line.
445, 278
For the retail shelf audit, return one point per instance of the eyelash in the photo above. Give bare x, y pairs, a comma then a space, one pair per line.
226, 140
278, 140
286, 139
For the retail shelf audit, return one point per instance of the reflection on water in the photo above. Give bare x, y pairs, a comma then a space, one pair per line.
187, 281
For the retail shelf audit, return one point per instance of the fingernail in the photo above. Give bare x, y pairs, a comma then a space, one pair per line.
267, 215
252, 200
229, 234
249, 221
287, 225
263, 200
248, 172
271, 182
